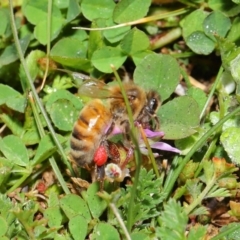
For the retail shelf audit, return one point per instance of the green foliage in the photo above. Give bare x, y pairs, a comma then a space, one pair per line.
180, 117
147, 197
173, 222
36, 122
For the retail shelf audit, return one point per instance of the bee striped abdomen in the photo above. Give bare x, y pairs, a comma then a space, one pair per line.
88, 131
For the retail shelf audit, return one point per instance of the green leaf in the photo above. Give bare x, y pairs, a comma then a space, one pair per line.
53, 200
232, 122
37, 11
4, 226
64, 94
130, 10
103, 58
199, 95
216, 23
73, 205
235, 68
105, 231
30, 136
227, 7
193, 22
149, 196
139, 236
231, 235
5, 21
45, 149
112, 35
63, 114
179, 117
10, 55
63, 108
5, 169
41, 33
194, 187
78, 227
229, 51
218, 193
173, 222
14, 150
96, 40
209, 171
139, 56
61, 4
72, 53
54, 216
158, 72
188, 171
199, 211
12, 98
96, 204
6, 209
134, 41
193, 33
200, 43
73, 10
93, 9
233, 35
32, 64
230, 139
197, 232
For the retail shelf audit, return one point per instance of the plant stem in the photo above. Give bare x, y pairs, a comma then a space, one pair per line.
19, 182
49, 28
185, 77
120, 220
171, 36
201, 196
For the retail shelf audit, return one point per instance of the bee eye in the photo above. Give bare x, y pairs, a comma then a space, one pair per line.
153, 103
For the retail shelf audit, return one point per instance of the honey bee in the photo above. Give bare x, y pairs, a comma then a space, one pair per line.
106, 112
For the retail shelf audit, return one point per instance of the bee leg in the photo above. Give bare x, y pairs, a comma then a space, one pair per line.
156, 120
128, 157
126, 136
86, 166
100, 176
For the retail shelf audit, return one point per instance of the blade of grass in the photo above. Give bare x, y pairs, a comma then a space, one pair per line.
49, 26
212, 91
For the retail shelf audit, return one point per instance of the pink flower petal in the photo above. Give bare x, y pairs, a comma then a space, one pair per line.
165, 147
151, 134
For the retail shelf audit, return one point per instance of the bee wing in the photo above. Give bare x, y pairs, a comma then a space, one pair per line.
76, 76
95, 89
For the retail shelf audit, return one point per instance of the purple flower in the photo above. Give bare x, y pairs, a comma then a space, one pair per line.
156, 145
153, 144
